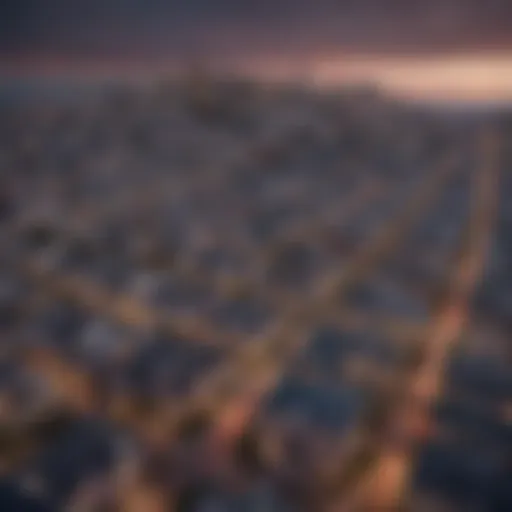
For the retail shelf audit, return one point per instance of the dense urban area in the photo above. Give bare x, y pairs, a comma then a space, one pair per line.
217, 295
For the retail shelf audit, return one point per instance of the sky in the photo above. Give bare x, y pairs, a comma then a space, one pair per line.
183, 28
459, 46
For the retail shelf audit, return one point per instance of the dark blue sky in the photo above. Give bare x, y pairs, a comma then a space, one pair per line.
183, 27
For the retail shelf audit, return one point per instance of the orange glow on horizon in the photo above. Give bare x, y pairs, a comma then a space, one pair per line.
452, 77
472, 77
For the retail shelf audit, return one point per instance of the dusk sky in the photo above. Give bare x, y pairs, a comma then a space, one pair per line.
441, 48
182, 28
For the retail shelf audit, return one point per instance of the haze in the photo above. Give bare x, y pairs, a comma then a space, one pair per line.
438, 48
